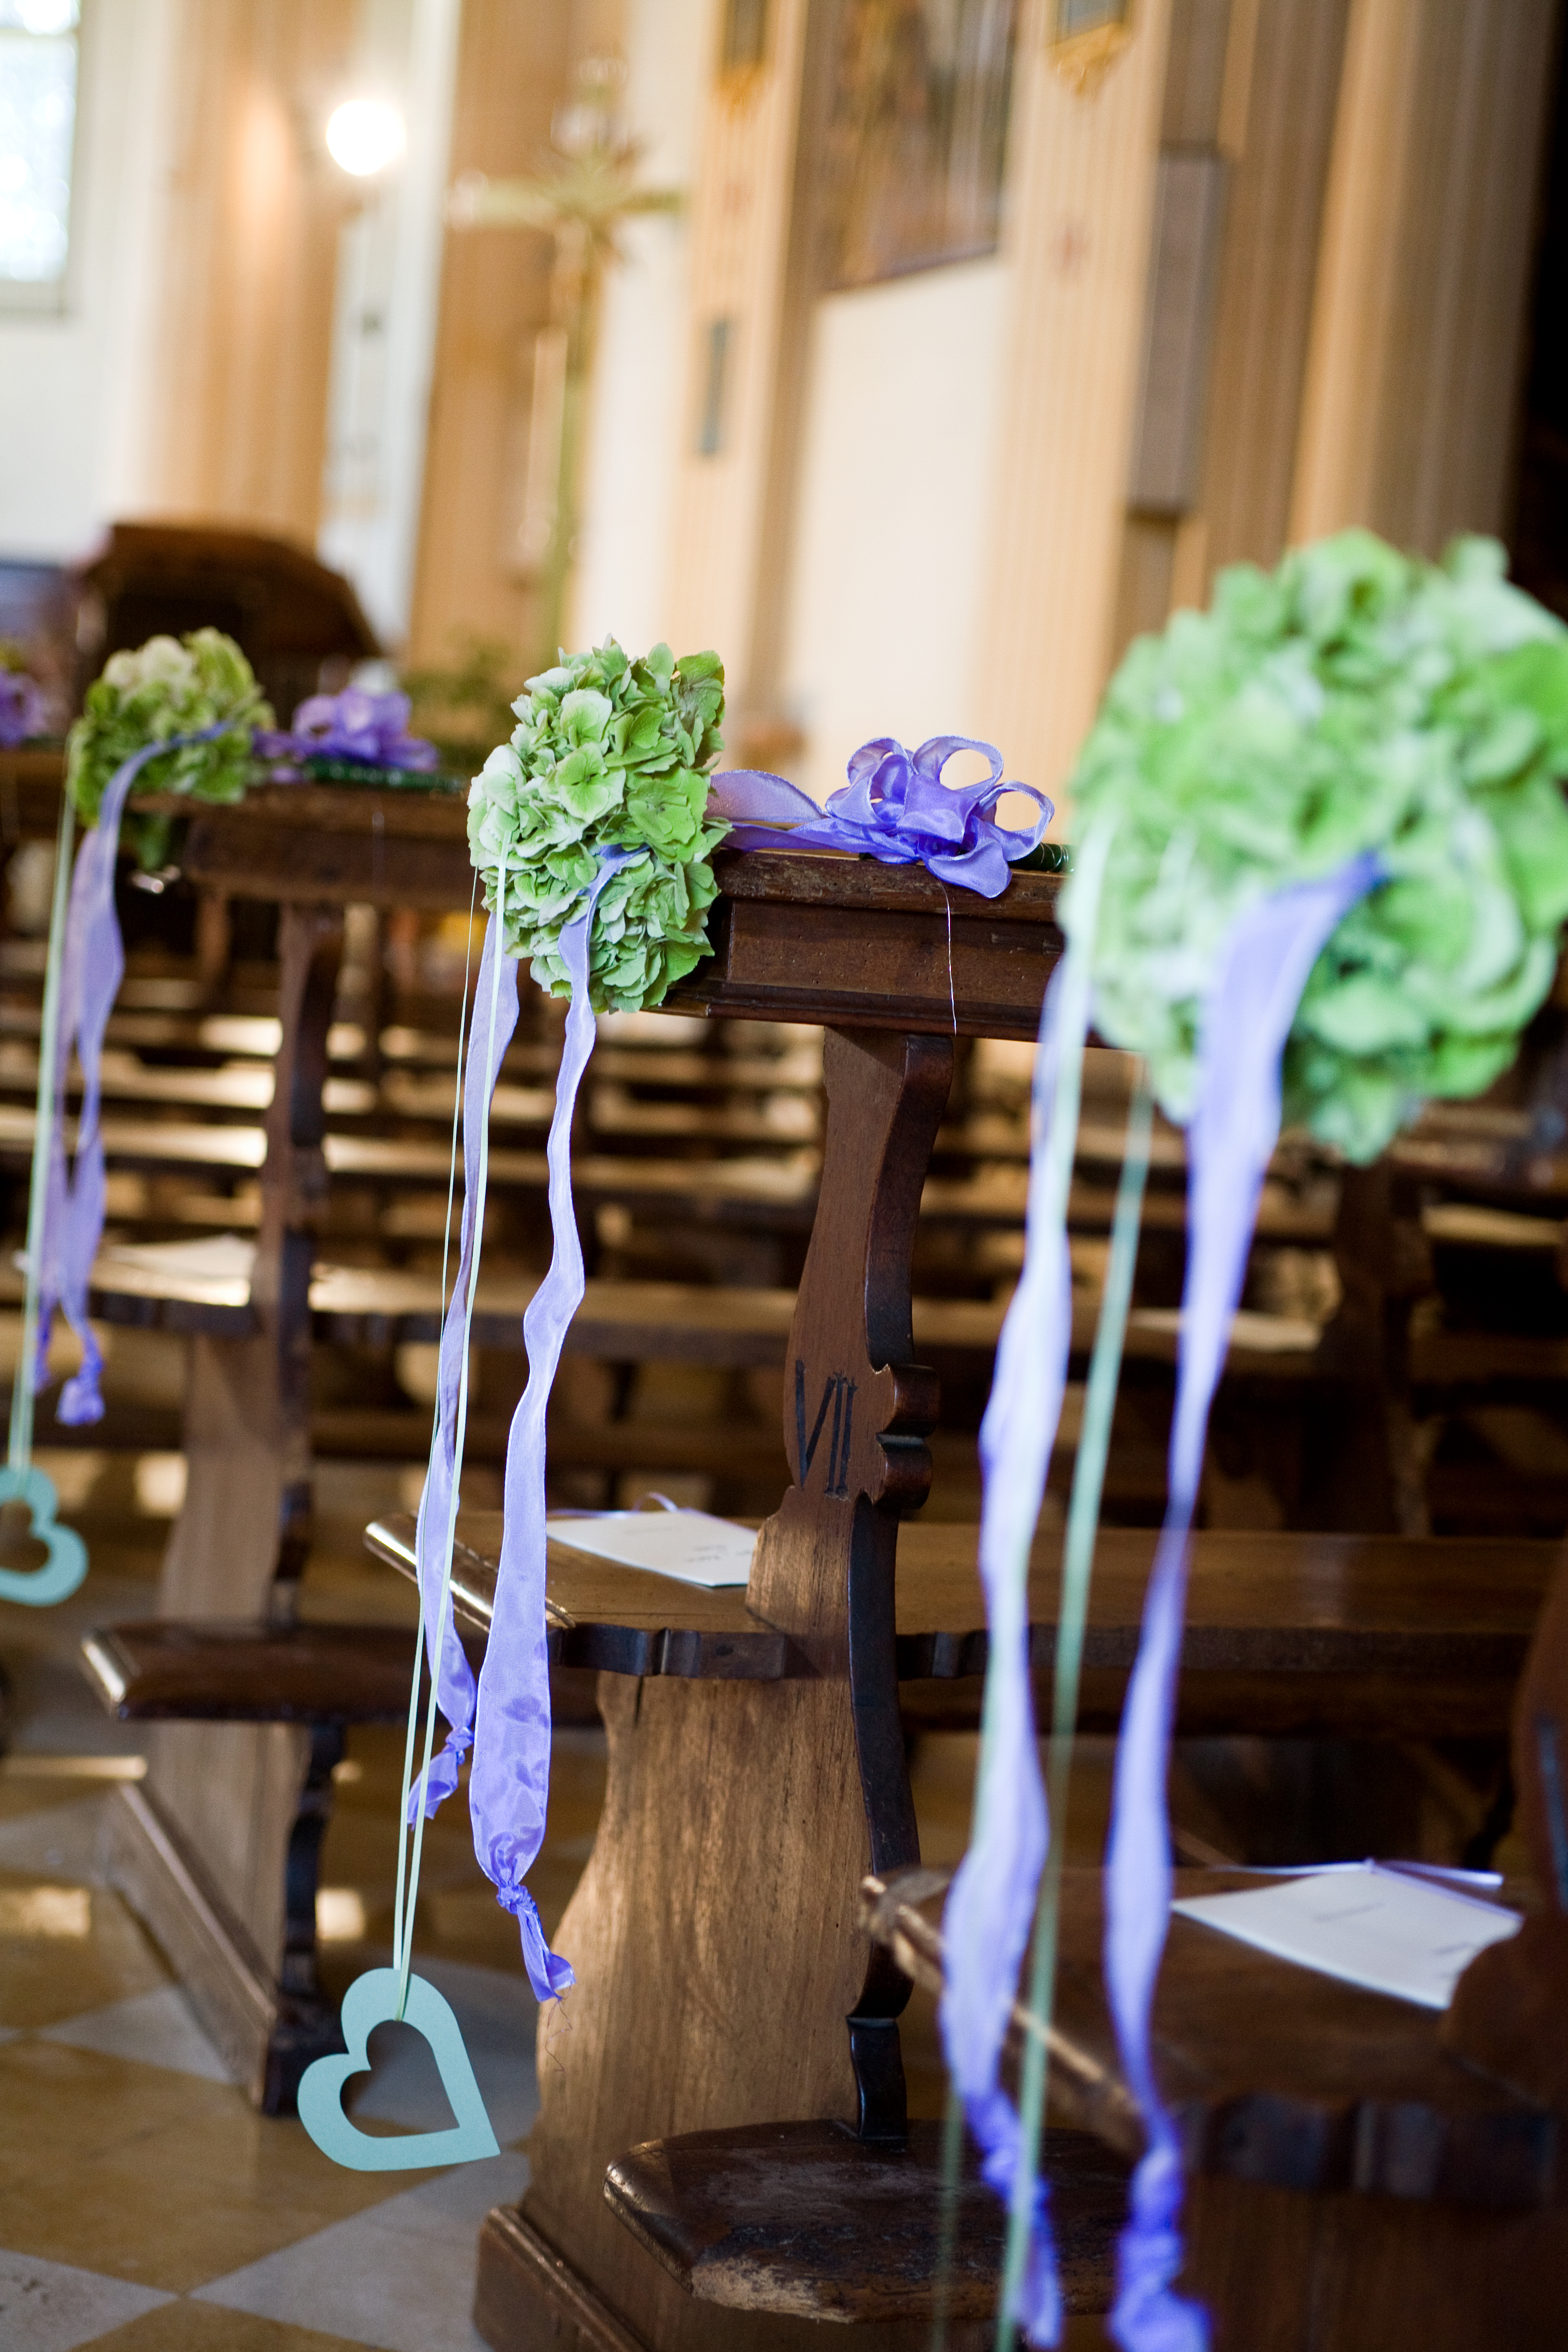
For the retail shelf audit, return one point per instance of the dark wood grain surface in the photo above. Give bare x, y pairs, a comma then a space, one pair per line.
1384, 1635
848, 940
1282, 2076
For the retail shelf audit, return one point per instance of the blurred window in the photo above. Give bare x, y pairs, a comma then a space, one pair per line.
916, 136
38, 131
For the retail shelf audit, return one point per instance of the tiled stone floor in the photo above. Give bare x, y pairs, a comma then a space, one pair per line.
144, 2205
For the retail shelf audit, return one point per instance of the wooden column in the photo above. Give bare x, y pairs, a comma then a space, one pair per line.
741, 218
1423, 284
722, 1976
1080, 215
1251, 90
472, 574
248, 233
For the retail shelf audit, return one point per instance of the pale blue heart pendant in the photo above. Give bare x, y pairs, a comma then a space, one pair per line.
40, 1587
372, 2001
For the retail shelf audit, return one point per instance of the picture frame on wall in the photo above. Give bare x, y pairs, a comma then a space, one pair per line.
915, 136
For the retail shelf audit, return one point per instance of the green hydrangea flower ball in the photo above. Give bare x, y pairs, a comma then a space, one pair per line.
164, 690
1353, 699
607, 753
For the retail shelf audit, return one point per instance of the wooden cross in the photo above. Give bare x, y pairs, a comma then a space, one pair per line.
581, 197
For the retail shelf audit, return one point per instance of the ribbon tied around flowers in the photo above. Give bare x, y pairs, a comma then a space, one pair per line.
896, 807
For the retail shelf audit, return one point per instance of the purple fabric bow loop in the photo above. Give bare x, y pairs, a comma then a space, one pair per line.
507, 1720
24, 711
92, 965
372, 729
895, 807
1263, 970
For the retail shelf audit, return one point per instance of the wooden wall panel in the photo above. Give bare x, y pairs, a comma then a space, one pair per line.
1255, 82
1277, 195
513, 65
249, 227
1419, 327
1079, 240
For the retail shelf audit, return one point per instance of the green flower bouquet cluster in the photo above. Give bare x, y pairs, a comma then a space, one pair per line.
608, 753
1353, 700
162, 690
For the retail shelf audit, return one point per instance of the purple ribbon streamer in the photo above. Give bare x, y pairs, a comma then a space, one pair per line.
507, 1721
895, 808
454, 1680
989, 1913
93, 964
1264, 968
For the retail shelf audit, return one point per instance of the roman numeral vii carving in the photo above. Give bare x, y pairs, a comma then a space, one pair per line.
837, 1390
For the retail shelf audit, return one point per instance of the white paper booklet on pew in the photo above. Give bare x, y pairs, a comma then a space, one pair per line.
1380, 1929
691, 1545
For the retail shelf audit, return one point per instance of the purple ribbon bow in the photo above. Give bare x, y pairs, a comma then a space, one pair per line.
24, 712
895, 808
92, 965
369, 728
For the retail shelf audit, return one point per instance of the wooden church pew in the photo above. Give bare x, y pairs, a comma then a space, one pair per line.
739, 1804
1368, 1636
1360, 2171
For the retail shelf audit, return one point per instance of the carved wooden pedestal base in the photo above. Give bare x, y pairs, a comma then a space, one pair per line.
266, 2036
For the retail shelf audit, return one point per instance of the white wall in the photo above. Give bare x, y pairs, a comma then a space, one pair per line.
630, 477
74, 384
881, 636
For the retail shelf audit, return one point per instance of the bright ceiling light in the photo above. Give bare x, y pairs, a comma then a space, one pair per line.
364, 136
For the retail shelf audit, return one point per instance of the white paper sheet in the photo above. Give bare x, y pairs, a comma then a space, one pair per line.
1373, 1928
691, 1545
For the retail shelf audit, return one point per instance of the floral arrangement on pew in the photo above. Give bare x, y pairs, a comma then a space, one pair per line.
1320, 869
183, 717
356, 737
592, 831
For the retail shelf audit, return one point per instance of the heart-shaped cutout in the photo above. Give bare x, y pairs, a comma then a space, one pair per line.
372, 2001
58, 1578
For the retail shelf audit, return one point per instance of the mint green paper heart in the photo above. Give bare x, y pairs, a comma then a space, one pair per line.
66, 1566
372, 2001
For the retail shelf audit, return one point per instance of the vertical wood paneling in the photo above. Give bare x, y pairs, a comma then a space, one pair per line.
513, 61
1419, 316
249, 232
1277, 195
740, 231
1078, 238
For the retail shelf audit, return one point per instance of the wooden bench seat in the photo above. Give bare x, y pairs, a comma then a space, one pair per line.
236, 1671
804, 2219
1370, 1636
1277, 2075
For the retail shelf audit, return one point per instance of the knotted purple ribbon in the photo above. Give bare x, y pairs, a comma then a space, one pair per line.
369, 729
895, 808
991, 1908
1264, 968
507, 1722
92, 968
